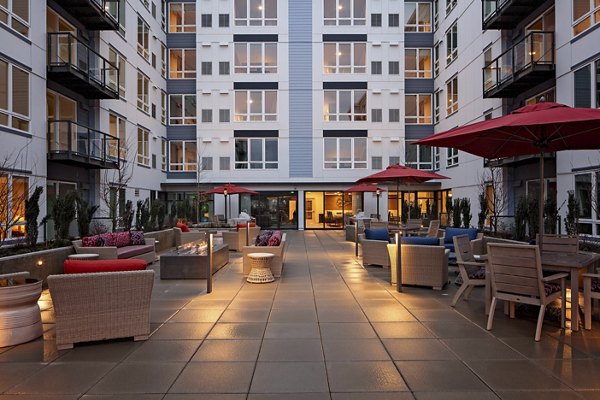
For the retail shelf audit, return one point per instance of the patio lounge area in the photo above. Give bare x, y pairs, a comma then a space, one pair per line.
326, 329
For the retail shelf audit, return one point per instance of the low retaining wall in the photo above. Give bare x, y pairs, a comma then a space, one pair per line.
52, 262
166, 239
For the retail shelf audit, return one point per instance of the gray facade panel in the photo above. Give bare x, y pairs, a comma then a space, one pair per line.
414, 132
181, 132
181, 175
418, 40
300, 61
181, 40
418, 86
181, 86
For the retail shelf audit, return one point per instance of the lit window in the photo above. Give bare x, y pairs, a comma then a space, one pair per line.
15, 14
182, 155
452, 96
182, 17
417, 17
344, 58
345, 12
342, 153
255, 12
143, 95
586, 13
117, 128
418, 157
451, 157
255, 58
14, 191
547, 95
256, 153
417, 63
14, 96
182, 63
417, 108
452, 43
119, 61
143, 147
143, 39
255, 105
182, 109
345, 105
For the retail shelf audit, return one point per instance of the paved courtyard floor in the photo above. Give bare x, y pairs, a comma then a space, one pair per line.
328, 329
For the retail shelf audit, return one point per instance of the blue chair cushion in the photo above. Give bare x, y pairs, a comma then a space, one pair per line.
424, 241
377, 234
451, 232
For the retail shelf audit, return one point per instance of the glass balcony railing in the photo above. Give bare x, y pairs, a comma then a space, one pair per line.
72, 142
515, 64
94, 14
506, 14
75, 63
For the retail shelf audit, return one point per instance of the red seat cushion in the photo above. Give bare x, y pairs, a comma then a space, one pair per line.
183, 227
243, 226
86, 266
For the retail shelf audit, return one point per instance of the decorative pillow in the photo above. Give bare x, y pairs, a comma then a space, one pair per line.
183, 227
243, 226
123, 239
263, 238
275, 239
423, 241
377, 234
91, 241
110, 239
137, 238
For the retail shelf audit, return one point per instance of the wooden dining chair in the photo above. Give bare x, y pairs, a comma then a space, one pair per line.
591, 291
432, 230
516, 276
471, 271
559, 243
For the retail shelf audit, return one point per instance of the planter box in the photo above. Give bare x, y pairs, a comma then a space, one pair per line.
52, 263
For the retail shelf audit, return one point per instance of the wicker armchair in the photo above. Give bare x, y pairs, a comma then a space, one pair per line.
99, 306
276, 264
421, 265
374, 252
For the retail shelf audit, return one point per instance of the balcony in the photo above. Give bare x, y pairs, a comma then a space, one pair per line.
78, 145
526, 64
95, 15
506, 14
77, 66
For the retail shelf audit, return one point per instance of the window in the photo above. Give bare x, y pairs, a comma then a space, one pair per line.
143, 147
583, 193
146, 4
255, 105
224, 115
376, 20
376, 68
436, 158
163, 154
14, 191
394, 67
143, 96
119, 61
436, 104
342, 153
436, 13
582, 87
206, 20
345, 12
182, 17
376, 162
182, 63
376, 115
15, 14
418, 157
417, 17
163, 14
143, 39
436, 60
117, 128
223, 21
452, 96
207, 164
586, 13
206, 68
121, 12
224, 163
224, 67
547, 95
451, 43
256, 153
255, 58
206, 115
255, 12
182, 109
345, 105
451, 157
450, 4
417, 108
394, 115
163, 107
393, 20
163, 60
14, 96
393, 160
344, 58
417, 63
182, 155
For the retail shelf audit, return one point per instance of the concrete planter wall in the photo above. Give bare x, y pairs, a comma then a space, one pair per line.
52, 263
166, 239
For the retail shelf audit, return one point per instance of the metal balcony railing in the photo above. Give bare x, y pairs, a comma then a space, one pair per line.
506, 14
514, 65
73, 62
94, 14
75, 143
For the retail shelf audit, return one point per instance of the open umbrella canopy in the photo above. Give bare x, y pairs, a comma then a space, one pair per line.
400, 174
363, 187
231, 189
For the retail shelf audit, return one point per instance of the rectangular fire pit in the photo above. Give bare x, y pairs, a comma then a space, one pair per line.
186, 265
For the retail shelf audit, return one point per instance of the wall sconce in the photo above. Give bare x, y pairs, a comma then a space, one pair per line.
40, 263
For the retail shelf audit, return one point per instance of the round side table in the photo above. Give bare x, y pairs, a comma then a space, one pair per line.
90, 256
260, 264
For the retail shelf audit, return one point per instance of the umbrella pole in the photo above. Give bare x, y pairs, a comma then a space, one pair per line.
398, 201
541, 202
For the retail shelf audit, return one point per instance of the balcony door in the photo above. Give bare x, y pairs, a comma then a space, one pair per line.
542, 46
60, 51
61, 112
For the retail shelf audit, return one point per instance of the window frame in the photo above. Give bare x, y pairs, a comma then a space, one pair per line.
249, 116
353, 115
418, 73
452, 43
121, 134
251, 164
418, 26
352, 20
252, 21
452, 101
450, 5
143, 103
163, 154
143, 32
339, 68
14, 118
121, 62
184, 165
143, 157
13, 18
183, 54
592, 15
184, 118
185, 26
418, 119
8, 204
248, 67
163, 107
451, 157
352, 163
418, 163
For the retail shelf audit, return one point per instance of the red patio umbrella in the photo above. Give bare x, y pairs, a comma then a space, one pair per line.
227, 190
534, 129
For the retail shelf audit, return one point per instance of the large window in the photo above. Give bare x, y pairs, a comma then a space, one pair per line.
143, 94
417, 156
182, 63
117, 128
182, 17
452, 43
256, 58
163, 154
344, 58
452, 96
451, 157
255, 105
417, 108
417, 17
345, 105
345, 12
255, 12
14, 191
586, 13
143, 147
15, 14
417, 63
342, 153
182, 155
163, 107
143, 39
117, 59
14, 96
587, 193
256, 153
182, 109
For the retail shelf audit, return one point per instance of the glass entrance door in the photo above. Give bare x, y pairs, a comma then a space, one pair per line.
327, 210
275, 210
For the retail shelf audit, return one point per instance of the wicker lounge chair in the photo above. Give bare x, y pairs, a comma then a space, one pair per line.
421, 265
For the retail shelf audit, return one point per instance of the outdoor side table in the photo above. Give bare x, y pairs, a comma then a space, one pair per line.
90, 256
261, 268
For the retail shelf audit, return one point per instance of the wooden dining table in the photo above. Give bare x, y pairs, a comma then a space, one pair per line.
572, 263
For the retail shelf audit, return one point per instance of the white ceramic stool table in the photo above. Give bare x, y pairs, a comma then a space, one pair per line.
261, 268
82, 256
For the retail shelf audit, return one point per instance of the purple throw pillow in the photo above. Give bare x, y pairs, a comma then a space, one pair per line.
137, 238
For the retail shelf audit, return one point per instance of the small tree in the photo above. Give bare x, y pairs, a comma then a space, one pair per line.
465, 208
173, 214
533, 222
32, 212
550, 214
572, 218
63, 213
128, 215
434, 210
483, 209
521, 218
415, 211
142, 215
85, 212
161, 213
456, 213
114, 181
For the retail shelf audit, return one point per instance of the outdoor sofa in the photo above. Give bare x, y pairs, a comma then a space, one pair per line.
276, 264
140, 251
